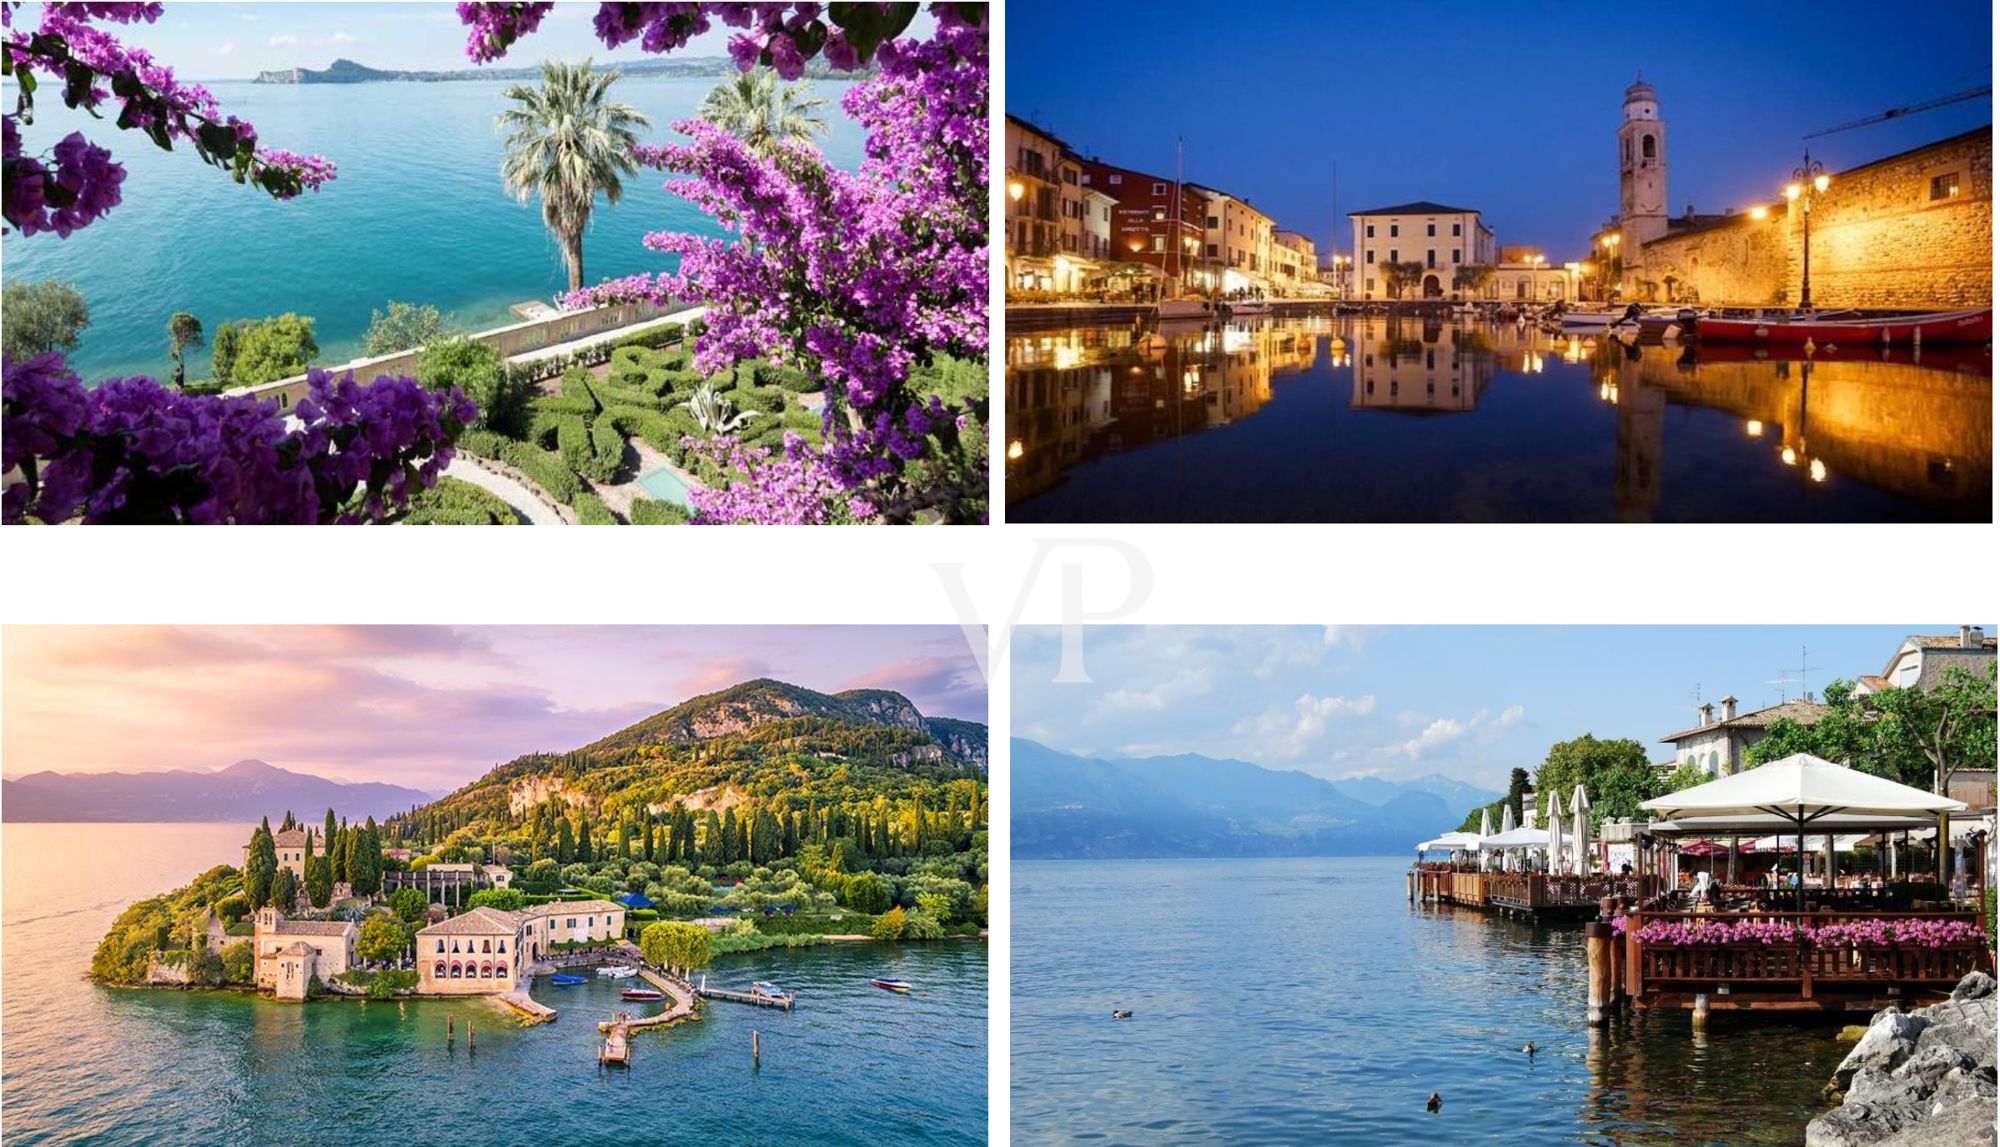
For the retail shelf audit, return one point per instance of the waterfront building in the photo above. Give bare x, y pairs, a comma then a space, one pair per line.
1038, 168
1719, 745
1237, 236
1294, 263
1923, 659
290, 954
1419, 368
1909, 230
1523, 274
1145, 227
486, 950
1440, 238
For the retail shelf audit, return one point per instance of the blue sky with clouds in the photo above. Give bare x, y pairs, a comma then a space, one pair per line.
236, 41
1469, 702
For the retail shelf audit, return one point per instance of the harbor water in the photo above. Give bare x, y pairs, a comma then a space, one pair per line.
1374, 419
1305, 1000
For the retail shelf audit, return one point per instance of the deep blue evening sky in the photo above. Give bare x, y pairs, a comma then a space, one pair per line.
1509, 108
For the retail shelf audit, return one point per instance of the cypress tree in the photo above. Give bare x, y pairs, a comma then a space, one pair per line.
259, 866
284, 890
565, 842
326, 838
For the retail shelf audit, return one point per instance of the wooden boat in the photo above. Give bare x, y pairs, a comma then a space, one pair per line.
1189, 308
889, 985
568, 981
1941, 327
642, 994
1958, 357
617, 972
1249, 307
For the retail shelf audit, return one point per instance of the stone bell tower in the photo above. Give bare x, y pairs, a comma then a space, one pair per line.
1642, 172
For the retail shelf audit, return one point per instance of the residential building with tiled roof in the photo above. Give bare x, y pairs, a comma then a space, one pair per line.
1923, 659
1438, 238
1719, 745
290, 954
486, 950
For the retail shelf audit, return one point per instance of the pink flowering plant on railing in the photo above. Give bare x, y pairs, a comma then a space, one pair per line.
76, 182
1926, 933
861, 279
131, 450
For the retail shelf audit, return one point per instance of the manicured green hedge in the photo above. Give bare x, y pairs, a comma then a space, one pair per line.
608, 447
542, 468
591, 510
652, 512
457, 503
770, 400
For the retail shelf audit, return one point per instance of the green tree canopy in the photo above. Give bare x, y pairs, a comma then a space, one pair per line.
889, 925
1616, 775
1916, 736
753, 108
260, 866
567, 142
1399, 277
675, 945
284, 889
505, 899
42, 316
408, 904
270, 349
476, 369
405, 326
183, 331
383, 937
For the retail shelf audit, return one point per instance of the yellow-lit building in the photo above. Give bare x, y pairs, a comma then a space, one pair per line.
1237, 238
1042, 184
1294, 264
1419, 368
1438, 238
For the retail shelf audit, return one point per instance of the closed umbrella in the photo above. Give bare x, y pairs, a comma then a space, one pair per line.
1579, 807
1485, 830
1555, 833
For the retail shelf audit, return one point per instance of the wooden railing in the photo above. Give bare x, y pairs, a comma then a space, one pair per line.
1793, 965
1540, 890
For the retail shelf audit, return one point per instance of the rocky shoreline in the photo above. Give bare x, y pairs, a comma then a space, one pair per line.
1923, 1078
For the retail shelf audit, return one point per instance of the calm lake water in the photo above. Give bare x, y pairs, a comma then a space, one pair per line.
1304, 1000
417, 214
851, 1064
1371, 420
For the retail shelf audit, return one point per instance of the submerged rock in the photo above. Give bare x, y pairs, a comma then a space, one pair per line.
1919, 1079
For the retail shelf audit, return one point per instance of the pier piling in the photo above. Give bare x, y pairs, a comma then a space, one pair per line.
471, 1036
756, 1049
1700, 1012
449, 1035
1597, 952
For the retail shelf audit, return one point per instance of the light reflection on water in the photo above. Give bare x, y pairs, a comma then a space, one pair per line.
1304, 1000
1353, 419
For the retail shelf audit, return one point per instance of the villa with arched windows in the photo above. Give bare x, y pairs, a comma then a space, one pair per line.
485, 950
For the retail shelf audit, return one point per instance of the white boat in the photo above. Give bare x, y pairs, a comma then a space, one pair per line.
1250, 307
617, 972
1590, 320
1189, 308
767, 990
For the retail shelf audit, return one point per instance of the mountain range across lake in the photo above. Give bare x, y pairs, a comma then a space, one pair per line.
344, 71
1068, 807
245, 790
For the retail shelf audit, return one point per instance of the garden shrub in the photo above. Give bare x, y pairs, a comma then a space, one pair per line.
608, 447
591, 510
655, 428
576, 390
457, 503
770, 400
652, 512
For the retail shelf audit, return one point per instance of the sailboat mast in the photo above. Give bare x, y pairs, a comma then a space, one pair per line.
1178, 240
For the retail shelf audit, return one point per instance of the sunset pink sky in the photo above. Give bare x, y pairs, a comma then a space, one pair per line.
430, 707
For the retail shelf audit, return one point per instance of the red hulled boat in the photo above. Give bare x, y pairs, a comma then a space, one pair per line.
1900, 330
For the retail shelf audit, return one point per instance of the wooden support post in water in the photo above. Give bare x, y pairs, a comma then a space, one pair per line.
756, 1049
1700, 1010
471, 1036
449, 1034
1597, 950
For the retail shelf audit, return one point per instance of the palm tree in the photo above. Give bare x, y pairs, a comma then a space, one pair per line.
566, 142
753, 108
183, 331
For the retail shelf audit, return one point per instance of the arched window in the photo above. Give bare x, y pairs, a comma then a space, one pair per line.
439, 972
503, 945
440, 943
1625, 147
500, 969
457, 971
486, 970
1646, 146
486, 946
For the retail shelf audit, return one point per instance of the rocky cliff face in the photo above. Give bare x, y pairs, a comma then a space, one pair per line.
1918, 1078
528, 792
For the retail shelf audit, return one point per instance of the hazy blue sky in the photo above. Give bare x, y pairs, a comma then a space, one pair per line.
1469, 702
236, 41
426, 706
1510, 108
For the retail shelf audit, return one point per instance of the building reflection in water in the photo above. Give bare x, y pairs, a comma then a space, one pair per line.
1865, 417
1078, 394
1750, 436
1421, 367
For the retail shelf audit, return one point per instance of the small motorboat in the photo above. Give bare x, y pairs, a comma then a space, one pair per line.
1940, 327
889, 985
1186, 308
617, 972
767, 990
642, 994
568, 981
1249, 307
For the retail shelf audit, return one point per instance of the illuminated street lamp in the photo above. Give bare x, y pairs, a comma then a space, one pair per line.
1611, 243
1340, 265
1015, 190
1809, 182
1534, 263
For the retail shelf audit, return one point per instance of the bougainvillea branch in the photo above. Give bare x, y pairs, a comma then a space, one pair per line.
77, 182
131, 450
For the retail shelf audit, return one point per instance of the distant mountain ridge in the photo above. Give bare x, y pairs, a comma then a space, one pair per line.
245, 790
1071, 807
1377, 791
344, 71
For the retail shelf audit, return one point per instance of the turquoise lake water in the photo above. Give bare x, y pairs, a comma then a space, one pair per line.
417, 214
851, 1064
1305, 1001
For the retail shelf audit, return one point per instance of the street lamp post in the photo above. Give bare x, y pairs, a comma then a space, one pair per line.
1611, 243
1535, 262
1340, 265
1809, 182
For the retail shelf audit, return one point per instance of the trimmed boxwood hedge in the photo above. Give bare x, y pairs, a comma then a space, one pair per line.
591, 510
457, 503
651, 512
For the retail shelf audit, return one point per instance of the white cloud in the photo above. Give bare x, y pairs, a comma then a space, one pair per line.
1289, 733
1510, 717
285, 40
341, 38
226, 49
1442, 731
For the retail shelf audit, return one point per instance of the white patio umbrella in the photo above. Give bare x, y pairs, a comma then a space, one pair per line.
1507, 817
1579, 807
1452, 841
1805, 791
1485, 830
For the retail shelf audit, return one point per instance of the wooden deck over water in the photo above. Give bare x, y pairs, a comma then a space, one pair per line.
1529, 894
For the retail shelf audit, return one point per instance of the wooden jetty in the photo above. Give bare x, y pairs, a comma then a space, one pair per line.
534, 1010
1782, 976
759, 999
680, 1004
1531, 895
617, 1044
